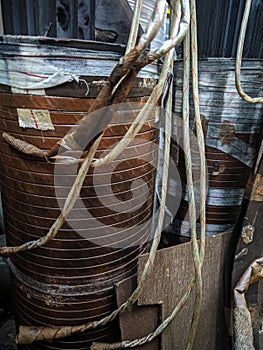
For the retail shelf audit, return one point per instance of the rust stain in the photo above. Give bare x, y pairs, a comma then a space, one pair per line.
226, 133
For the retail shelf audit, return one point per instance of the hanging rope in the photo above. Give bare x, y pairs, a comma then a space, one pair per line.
199, 258
189, 177
201, 146
134, 26
168, 46
27, 335
199, 255
30, 334
150, 337
69, 141
120, 81
239, 55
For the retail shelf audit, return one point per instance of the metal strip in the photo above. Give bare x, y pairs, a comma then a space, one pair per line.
220, 197
183, 228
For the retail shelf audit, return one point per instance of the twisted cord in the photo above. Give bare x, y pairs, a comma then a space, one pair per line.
59, 333
240, 48
134, 26
47, 333
189, 177
198, 261
169, 45
70, 139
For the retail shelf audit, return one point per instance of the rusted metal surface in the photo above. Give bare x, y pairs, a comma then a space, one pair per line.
233, 133
70, 281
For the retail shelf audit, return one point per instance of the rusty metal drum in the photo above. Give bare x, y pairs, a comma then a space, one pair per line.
70, 281
233, 130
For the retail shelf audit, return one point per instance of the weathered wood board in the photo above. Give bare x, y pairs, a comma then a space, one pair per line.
172, 272
139, 321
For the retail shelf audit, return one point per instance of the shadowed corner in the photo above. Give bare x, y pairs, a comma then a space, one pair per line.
7, 322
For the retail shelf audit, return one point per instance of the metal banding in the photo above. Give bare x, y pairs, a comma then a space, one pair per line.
72, 278
232, 130
211, 230
220, 197
56, 64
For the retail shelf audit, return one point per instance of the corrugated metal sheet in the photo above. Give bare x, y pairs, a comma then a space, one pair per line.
218, 22
54, 18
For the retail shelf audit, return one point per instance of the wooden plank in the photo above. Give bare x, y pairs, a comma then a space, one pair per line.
172, 272
145, 316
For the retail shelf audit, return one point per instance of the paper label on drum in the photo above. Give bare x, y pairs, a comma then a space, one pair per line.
39, 92
33, 118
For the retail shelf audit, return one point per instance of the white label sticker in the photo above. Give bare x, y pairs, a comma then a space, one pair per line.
33, 118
